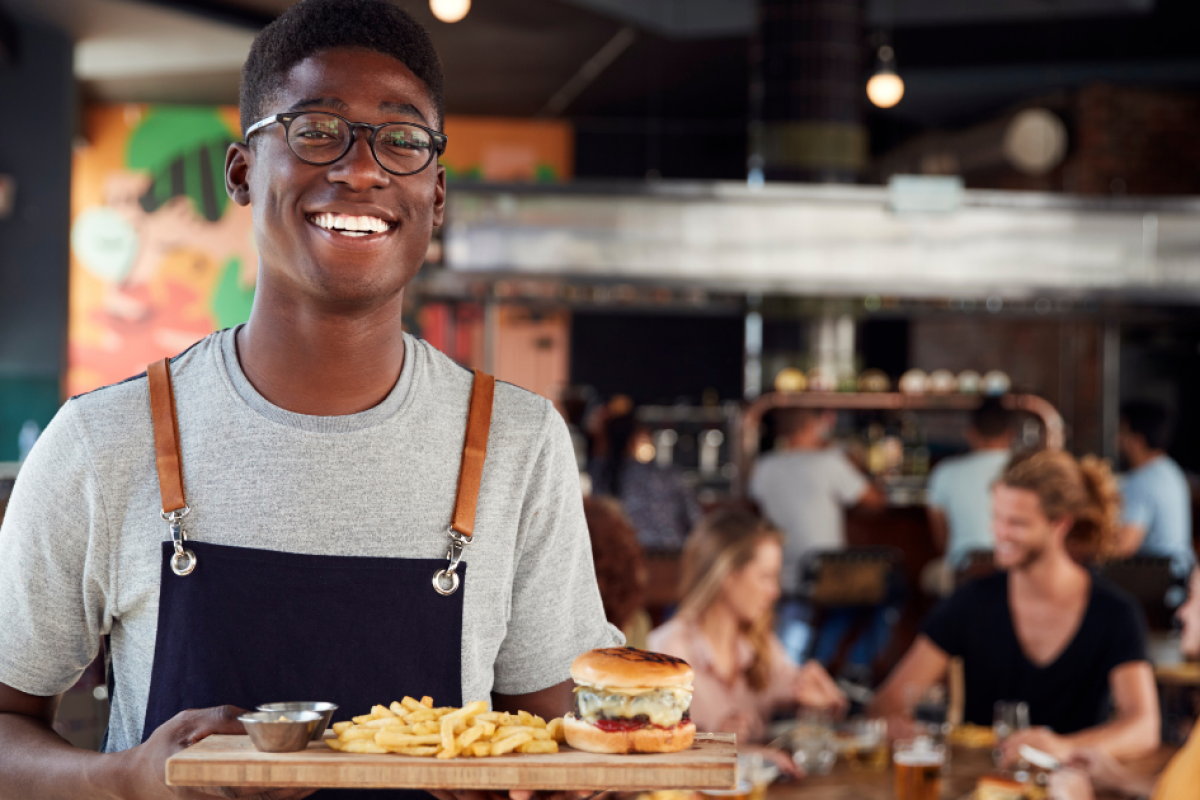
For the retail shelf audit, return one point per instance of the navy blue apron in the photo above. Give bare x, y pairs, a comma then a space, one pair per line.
241, 626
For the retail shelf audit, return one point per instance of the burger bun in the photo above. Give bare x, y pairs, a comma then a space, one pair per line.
628, 667
587, 737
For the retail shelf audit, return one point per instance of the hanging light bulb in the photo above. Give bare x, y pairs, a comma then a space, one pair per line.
449, 10
885, 88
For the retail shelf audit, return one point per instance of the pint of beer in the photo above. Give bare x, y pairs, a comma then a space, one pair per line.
918, 764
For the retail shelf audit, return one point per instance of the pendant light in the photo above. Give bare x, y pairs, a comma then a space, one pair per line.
449, 10
885, 88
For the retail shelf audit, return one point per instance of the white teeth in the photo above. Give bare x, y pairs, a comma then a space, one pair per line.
345, 223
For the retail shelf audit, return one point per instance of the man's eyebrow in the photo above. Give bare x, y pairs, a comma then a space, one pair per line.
320, 102
408, 109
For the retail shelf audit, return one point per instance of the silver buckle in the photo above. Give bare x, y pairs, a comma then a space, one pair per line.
184, 560
445, 581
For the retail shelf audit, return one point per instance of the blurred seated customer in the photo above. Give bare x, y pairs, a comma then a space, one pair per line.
960, 494
1157, 503
1093, 770
804, 489
1045, 632
656, 500
729, 583
620, 568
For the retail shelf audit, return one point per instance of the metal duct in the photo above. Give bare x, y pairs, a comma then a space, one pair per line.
1032, 141
807, 90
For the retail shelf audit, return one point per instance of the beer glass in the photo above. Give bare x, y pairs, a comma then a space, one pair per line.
918, 764
863, 744
1008, 717
812, 744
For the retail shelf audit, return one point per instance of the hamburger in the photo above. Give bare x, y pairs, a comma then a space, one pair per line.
999, 787
630, 701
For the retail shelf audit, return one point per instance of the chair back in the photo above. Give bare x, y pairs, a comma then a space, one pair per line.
858, 576
978, 564
1150, 580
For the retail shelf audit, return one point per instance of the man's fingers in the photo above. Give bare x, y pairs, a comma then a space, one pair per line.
202, 723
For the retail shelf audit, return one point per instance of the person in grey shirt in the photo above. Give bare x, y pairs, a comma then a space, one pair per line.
1156, 508
804, 488
317, 441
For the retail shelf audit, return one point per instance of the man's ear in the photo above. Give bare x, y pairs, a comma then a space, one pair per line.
439, 197
237, 173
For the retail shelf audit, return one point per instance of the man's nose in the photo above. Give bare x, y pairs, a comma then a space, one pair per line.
358, 168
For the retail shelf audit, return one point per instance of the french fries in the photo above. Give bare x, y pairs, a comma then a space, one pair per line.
413, 727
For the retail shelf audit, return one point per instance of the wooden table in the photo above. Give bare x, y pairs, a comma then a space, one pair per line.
966, 766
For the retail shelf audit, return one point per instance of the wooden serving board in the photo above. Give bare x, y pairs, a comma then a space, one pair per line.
710, 763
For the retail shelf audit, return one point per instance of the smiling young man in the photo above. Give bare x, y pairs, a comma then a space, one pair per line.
1043, 631
320, 449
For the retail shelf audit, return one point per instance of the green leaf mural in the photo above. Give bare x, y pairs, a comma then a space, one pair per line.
183, 149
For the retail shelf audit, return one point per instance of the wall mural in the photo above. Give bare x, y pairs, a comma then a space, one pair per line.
160, 257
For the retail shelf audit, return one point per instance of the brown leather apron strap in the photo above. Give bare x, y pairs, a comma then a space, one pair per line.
470, 473
167, 456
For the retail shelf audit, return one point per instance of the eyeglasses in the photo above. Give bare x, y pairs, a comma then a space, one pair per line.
321, 138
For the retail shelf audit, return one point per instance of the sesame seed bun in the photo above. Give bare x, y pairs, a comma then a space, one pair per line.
630, 668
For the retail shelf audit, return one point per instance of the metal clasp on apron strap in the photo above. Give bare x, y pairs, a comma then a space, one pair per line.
445, 581
470, 475
168, 461
184, 560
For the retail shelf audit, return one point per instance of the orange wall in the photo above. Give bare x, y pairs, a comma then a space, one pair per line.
496, 149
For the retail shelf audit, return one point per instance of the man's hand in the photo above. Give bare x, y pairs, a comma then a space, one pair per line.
1043, 739
813, 688
144, 767
1069, 784
1108, 774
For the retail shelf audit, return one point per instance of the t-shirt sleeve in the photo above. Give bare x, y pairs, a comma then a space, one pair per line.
54, 564
849, 484
948, 623
1125, 628
556, 612
1136, 507
937, 487
754, 485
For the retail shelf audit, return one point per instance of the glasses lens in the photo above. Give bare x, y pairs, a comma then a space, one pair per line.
403, 148
318, 138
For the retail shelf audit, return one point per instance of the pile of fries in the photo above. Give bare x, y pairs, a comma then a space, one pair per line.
415, 728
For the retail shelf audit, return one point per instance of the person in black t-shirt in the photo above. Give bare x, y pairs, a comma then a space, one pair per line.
1045, 632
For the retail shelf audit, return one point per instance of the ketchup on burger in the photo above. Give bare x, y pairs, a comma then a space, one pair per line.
630, 701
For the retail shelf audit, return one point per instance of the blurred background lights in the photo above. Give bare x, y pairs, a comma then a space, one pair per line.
885, 88
449, 10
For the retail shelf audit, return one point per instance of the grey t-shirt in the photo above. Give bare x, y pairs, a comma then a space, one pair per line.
80, 544
805, 494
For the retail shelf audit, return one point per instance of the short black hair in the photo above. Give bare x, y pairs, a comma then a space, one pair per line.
1148, 419
991, 420
311, 26
790, 421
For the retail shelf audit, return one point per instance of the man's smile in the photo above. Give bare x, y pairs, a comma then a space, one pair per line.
352, 225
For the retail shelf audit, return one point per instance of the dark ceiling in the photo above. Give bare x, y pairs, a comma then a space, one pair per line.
678, 106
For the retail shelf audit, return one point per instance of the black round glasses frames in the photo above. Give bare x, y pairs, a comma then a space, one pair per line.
321, 138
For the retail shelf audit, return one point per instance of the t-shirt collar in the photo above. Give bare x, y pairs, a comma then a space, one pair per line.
314, 424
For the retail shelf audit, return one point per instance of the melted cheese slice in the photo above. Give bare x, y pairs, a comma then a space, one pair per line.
662, 707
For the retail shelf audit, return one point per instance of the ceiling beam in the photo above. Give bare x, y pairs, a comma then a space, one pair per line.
216, 11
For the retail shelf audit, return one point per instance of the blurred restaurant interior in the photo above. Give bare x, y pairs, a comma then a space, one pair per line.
700, 214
